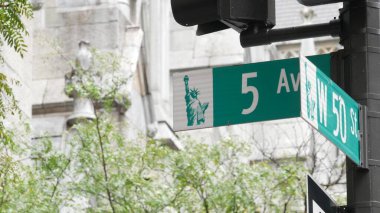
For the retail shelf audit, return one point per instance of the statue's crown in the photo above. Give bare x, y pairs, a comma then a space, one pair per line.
194, 91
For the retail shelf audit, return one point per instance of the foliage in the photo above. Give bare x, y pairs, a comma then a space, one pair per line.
13, 184
8, 106
20, 187
128, 176
12, 30
105, 172
12, 27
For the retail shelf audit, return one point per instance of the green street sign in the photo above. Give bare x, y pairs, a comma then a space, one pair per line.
239, 94
326, 107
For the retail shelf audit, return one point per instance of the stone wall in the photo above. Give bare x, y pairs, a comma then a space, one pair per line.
58, 28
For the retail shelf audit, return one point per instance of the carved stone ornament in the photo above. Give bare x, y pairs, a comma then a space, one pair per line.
83, 107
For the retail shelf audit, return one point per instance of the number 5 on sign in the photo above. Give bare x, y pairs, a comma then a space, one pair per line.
245, 89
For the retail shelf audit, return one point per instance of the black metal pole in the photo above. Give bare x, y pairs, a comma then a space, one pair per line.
361, 61
251, 38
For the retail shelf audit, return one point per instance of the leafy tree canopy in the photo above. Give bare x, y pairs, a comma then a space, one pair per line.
12, 30
12, 27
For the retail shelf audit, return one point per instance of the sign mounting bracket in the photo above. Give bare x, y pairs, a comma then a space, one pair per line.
363, 125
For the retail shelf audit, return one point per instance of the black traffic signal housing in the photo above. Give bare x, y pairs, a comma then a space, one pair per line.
317, 2
215, 15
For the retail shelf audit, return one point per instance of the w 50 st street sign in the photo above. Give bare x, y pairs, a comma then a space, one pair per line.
239, 94
330, 110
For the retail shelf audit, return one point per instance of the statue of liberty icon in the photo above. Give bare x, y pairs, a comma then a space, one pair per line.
194, 108
310, 101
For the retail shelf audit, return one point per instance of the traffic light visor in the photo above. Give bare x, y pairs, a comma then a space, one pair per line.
194, 12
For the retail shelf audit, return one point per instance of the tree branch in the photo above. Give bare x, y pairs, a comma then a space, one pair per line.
104, 164
59, 179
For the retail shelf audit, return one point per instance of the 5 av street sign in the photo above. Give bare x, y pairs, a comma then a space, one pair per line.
239, 94
329, 109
